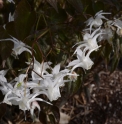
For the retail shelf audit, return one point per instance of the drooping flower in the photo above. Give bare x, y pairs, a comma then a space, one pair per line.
96, 21
2, 76
52, 90
19, 46
20, 81
90, 41
50, 85
6, 87
83, 60
56, 71
34, 104
118, 24
40, 70
21, 97
107, 34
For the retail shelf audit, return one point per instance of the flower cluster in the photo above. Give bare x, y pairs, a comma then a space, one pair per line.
89, 43
92, 37
25, 90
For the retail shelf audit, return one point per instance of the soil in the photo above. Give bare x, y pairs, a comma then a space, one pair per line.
101, 104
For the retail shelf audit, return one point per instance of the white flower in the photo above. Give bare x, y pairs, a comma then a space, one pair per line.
11, 1
20, 81
50, 86
82, 60
118, 24
11, 17
19, 46
52, 90
34, 105
6, 87
90, 41
97, 20
107, 34
21, 97
40, 71
109, 24
2, 75
56, 71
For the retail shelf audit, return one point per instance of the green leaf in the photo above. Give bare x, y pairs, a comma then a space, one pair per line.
97, 6
35, 45
52, 119
77, 84
69, 9
24, 19
117, 4
120, 45
106, 52
55, 18
87, 93
53, 3
114, 63
77, 4
97, 80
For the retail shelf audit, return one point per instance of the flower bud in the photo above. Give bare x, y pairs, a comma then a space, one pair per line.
73, 77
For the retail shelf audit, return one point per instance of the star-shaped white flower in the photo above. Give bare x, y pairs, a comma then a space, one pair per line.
40, 70
107, 34
83, 60
21, 97
90, 41
96, 21
20, 81
56, 71
50, 85
52, 89
19, 46
2, 76
118, 24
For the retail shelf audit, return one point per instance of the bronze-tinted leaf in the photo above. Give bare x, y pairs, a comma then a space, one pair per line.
114, 63
56, 113
2, 110
77, 84
77, 4
5, 49
42, 117
24, 19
